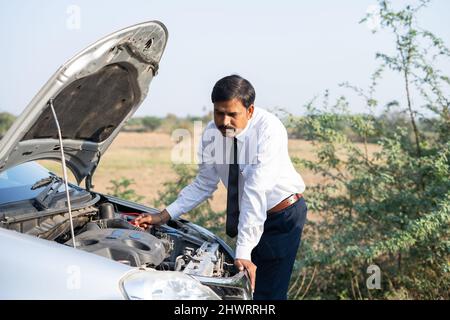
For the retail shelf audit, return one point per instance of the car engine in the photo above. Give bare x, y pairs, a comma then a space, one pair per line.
104, 226
106, 229
134, 248
119, 240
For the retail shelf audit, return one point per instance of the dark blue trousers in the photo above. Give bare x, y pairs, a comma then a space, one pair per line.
274, 256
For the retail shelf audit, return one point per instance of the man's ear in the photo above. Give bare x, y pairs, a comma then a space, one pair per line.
250, 110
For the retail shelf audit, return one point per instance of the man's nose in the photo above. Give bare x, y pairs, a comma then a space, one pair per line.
226, 120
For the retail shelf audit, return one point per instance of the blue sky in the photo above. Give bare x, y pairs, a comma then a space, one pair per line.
290, 50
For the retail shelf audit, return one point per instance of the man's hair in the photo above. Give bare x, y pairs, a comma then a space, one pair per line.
234, 87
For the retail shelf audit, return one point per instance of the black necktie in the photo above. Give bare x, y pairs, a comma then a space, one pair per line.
233, 195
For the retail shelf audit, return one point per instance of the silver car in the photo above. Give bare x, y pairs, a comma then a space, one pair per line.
73, 119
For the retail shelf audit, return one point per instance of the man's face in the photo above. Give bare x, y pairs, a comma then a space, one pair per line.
231, 116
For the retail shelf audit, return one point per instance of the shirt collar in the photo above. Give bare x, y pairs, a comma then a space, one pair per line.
241, 135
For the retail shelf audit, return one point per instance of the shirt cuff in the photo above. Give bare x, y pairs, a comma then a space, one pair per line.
243, 252
174, 210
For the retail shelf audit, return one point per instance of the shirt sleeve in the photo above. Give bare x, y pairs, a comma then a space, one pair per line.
260, 179
203, 186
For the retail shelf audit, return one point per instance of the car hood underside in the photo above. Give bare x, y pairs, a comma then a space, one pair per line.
93, 96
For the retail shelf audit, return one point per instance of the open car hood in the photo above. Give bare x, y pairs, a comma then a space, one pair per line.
93, 94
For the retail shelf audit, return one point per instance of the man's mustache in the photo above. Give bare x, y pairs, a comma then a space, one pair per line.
226, 128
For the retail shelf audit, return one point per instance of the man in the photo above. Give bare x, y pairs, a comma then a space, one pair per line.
247, 148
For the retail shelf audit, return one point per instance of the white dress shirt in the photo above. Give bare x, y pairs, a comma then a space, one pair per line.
267, 175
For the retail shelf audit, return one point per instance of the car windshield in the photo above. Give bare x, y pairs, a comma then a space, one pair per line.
16, 182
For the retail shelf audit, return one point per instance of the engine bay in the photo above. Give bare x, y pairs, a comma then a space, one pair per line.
159, 248
106, 228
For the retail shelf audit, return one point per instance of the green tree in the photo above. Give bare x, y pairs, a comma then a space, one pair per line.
121, 189
151, 123
6, 120
390, 208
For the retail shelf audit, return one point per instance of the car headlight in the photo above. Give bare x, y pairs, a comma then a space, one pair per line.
164, 285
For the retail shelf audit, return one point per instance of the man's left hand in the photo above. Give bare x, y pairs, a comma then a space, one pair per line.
243, 264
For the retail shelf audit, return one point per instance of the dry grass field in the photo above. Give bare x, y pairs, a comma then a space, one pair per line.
146, 158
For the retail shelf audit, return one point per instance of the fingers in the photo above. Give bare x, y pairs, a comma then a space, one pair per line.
252, 275
239, 265
143, 221
248, 266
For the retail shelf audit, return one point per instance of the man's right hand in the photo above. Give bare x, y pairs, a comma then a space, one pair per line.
145, 221
250, 267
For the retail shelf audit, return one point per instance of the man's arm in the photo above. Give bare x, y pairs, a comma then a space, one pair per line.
204, 184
